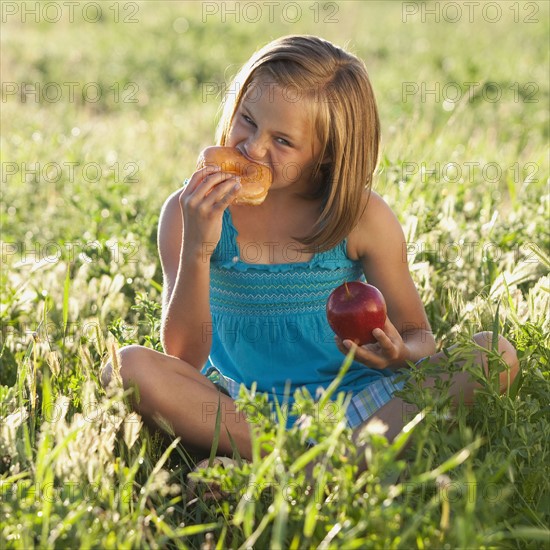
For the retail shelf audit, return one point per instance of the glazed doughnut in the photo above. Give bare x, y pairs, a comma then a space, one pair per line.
256, 178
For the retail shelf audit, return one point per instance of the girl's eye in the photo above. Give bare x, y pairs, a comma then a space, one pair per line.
280, 140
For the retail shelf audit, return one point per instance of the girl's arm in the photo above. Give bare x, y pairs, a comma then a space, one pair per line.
378, 241
189, 229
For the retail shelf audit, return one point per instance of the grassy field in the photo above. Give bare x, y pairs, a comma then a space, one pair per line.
104, 109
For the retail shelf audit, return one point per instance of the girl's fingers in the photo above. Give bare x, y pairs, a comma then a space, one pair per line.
222, 194
203, 180
196, 179
382, 339
340, 345
376, 361
209, 191
369, 357
370, 354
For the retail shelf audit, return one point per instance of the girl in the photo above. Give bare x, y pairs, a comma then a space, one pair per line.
245, 287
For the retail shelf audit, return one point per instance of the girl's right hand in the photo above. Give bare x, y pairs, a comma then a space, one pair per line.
203, 200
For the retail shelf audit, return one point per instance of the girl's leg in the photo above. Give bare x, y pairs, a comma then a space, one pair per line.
172, 389
396, 413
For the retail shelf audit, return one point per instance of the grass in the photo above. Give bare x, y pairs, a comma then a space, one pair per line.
83, 182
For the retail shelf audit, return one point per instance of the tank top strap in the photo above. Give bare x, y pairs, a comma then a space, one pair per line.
334, 258
226, 253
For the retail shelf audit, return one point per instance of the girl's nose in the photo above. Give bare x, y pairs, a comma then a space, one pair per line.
255, 148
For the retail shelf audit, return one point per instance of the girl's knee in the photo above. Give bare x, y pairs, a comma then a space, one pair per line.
128, 361
506, 350
132, 353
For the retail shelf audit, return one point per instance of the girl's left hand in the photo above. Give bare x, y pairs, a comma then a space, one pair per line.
389, 348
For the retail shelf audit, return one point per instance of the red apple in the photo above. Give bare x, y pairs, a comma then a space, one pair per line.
354, 310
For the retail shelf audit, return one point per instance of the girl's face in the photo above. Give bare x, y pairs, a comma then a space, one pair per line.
273, 126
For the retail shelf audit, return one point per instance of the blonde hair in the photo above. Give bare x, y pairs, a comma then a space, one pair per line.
345, 119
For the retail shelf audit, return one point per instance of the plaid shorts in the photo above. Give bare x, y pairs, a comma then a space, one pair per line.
362, 406
372, 397
224, 384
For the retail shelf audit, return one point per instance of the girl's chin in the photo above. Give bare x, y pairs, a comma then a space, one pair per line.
281, 186
294, 186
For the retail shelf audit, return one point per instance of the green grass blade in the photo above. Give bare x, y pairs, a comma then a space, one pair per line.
48, 412
278, 533
125, 502
144, 493
66, 288
217, 429
311, 515
530, 533
403, 437
541, 255
516, 384
220, 545
338, 380
234, 448
454, 461
156, 285
190, 530
316, 450
496, 329
253, 537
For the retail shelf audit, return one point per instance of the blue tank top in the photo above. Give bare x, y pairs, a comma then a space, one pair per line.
269, 321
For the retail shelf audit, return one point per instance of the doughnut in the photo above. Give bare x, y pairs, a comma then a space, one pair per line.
256, 178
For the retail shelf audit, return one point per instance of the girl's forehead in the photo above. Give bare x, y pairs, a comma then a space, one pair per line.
262, 87
288, 98
273, 102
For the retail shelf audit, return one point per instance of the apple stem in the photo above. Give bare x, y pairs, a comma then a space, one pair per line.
348, 293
